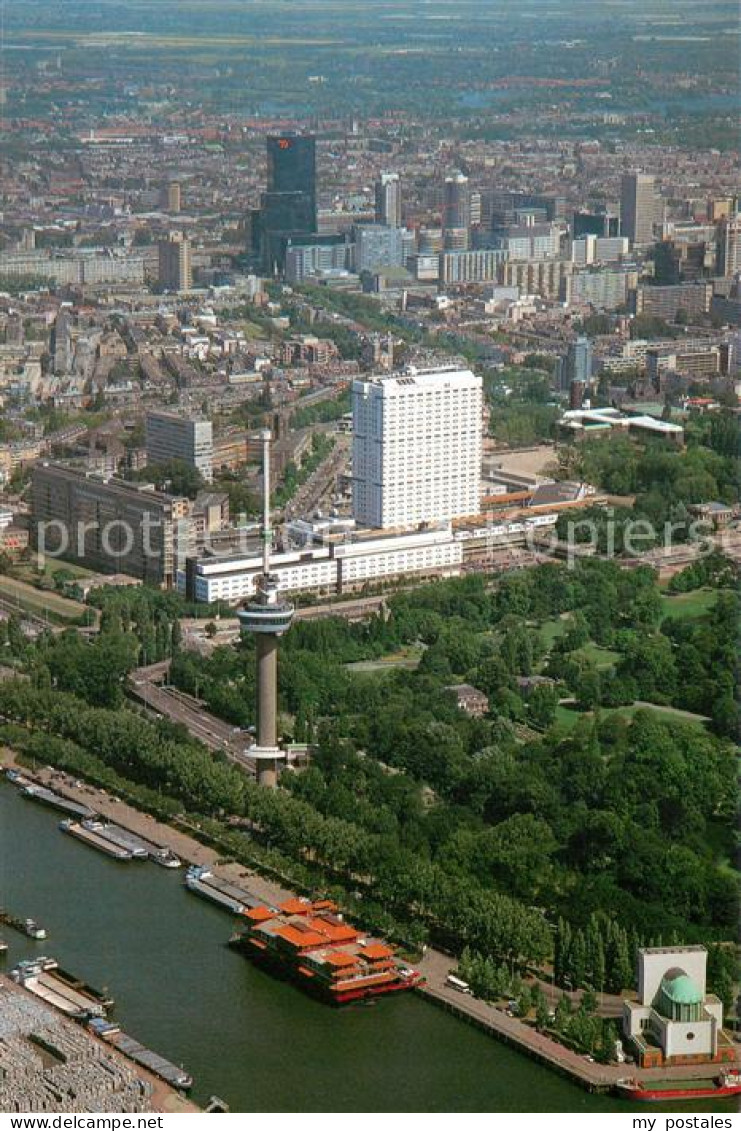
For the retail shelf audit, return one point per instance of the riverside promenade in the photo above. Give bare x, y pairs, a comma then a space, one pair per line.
526, 1039
435, 965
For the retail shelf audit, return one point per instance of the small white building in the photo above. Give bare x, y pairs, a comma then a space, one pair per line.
674, 1020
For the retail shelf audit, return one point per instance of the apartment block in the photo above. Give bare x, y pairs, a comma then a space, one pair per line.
108, 524
417, 445
170, 436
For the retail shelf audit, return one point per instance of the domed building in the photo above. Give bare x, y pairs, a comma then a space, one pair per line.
674, 1020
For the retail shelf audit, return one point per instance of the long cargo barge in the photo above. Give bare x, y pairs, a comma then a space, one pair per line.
309, 942
165, 1069
724, 1085
73, 982
202, 882
118, 837
138, 846
95, 840
67, 994
55, 801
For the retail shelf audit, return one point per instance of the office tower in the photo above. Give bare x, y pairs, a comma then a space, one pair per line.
605, 225
175, 272
729, 246
388, 200
288, 208
268, 616
377, 247
456, 212
110, 525
475, 216
60, 345
170, 436
577, 365
292, 168
171, 196
641, 207
599, 249
292, 183
676, 261
417, 441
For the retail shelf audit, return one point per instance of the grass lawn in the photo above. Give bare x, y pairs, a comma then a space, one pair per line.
550, 630
688, 605
602, 658
568, 717
29, 571
40, 602
404, 658
252, 330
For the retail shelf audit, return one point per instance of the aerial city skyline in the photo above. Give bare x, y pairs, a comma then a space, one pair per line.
369, 555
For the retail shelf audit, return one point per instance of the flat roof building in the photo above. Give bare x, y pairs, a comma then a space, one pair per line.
417, 446
170, 436
175, 273
109, 525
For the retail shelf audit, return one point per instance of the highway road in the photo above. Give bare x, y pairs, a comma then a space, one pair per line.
175, 705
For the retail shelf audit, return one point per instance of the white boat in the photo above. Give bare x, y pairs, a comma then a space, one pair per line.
166, 858
33, 930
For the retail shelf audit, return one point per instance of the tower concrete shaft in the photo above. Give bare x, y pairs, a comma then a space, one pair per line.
267, 706
268, 617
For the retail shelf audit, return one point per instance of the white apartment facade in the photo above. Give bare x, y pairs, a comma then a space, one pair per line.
417, 447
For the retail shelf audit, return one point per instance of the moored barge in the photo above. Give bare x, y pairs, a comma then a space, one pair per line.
95, 840
724, 1085
55, 801
203, 882
70, 995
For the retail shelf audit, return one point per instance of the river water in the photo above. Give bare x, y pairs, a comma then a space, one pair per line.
258, 1043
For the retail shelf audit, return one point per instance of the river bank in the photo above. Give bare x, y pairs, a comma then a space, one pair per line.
435, 966
91, 1063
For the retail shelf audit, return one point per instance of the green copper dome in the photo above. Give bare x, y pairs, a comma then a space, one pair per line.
679, 988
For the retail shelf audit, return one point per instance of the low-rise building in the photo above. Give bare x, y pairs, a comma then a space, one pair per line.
333, 568
675, 1020
469, 699
579, 424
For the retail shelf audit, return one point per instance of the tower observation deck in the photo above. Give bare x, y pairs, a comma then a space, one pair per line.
268, 616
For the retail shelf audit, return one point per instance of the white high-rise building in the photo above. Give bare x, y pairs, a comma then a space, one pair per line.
417, 443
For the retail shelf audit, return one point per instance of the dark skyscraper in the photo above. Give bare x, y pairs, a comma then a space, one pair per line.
288, 208
292, 172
